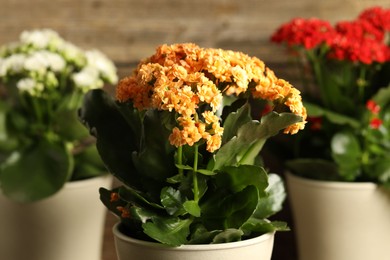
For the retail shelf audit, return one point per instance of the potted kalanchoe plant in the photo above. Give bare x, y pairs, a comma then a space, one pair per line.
43, 81
181, 138
347, 141
346, 68
47, 157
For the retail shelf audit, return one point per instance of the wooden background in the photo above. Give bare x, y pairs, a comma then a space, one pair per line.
128, 30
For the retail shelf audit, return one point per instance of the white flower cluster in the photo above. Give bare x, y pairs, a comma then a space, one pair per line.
42, 60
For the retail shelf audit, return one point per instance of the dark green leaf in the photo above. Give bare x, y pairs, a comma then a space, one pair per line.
234, 121
36, 172
237, 178
314, 169
114, 135
230, 211
132, 195
172, 200
336, 118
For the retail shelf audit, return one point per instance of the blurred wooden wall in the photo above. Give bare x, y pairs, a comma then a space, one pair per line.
127, 30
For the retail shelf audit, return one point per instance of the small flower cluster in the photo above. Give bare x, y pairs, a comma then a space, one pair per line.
191, 81
374, 108
42, 60
361, 40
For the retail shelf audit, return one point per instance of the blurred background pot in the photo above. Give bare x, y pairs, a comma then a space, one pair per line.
339, 220
66, 226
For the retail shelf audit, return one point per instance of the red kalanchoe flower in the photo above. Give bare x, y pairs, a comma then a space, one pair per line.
378, 17
373, 106
359, 41
309, 33
375, 123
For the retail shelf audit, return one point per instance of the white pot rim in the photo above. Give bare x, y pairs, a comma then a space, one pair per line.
221, 246
79, 184
337, 185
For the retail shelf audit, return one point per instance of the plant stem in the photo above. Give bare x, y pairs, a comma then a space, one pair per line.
194, 174
180, 159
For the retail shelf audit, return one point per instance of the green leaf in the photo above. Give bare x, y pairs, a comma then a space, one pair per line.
347, 154
184, 167
382, 97
155, 156
234, 121
381, 170
200, 235
262, 226
335, 118
192, 207
172, 231
228, 235
172, 200
237, 178
229, 211
68, 125
250, 138
131, 195
206, 172
318, 169
36, 172
88, 163
273, 202
114, 142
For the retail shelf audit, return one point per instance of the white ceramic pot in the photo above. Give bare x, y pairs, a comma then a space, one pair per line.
67, 226
259, 248
340, 220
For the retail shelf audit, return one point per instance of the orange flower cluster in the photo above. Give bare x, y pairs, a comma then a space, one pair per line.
183, 77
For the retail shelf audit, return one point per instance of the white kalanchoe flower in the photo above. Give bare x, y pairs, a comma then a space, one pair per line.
13, 64
30, 86
72, 53
36, 62
105, 66
55, 61
41, 61
41, 38
88, 78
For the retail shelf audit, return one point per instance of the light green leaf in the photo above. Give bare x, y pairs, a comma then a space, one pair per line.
192, 207
228, 235
347, 154
273, 202
172, 231
250, 138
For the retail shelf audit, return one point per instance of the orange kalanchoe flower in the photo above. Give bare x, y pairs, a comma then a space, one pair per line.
182, 77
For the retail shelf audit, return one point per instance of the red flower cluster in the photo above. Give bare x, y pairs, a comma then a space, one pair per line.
361, 40
309, 33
